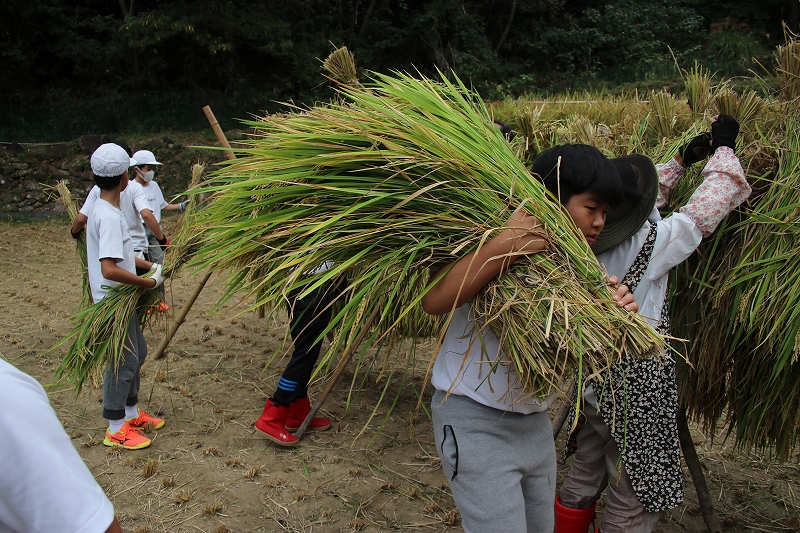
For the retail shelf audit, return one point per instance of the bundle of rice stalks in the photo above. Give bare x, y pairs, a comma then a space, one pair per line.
663, 113
742, 288
395, 180
342, 67
726, 100
64, 196
698, 89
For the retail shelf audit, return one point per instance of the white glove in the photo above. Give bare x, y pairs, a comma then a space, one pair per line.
156, 274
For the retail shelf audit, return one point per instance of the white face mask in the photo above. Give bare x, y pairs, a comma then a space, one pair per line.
148, 176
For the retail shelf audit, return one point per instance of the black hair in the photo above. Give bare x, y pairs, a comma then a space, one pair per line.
505, 129
107, 182
124, 147
582, 168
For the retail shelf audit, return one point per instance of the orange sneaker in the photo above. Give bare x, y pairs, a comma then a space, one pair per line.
128, 437
145, 418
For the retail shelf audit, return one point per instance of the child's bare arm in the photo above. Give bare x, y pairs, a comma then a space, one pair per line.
114, 272
79, 223
141, 263
150, 221
468, 275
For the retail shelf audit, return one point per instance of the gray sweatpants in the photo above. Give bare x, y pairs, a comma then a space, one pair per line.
121, 383
501, 466
597, 463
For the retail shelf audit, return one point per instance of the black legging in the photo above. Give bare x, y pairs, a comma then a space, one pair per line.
309, 317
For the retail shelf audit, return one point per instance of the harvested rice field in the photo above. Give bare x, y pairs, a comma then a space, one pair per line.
209, 470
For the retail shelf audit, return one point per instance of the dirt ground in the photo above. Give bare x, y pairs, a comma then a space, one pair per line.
209, 469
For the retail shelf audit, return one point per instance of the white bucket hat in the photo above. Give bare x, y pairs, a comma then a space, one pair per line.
145, 157
111, 160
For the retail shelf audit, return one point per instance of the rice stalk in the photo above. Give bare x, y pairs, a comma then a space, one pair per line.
749, 108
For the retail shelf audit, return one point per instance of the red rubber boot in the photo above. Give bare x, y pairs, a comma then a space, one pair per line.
573, 520
272, 423
298, 411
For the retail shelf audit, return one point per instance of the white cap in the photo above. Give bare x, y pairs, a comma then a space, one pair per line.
145, 157
110, 160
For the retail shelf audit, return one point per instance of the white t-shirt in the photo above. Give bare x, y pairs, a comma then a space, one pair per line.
155, 198
44, 483
484, 375
131, 201
107, 236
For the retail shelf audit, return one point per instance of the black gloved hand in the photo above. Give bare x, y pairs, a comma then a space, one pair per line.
76, 236
696, 149
163, 242
724, 131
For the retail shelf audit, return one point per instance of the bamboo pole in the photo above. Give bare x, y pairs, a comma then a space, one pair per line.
159, 353
223, 141
337, 373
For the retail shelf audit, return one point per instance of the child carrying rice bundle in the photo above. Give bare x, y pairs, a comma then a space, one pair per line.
494, 441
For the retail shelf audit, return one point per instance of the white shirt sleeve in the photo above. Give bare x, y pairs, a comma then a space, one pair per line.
44, 483
138, 197
110, 239
159, 195
91, 198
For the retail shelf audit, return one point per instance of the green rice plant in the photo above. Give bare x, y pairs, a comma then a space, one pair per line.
749, 108
394, 181
101, 332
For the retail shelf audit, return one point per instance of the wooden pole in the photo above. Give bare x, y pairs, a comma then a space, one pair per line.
563, 413
698, 478
223, 141
159, 353
337, 373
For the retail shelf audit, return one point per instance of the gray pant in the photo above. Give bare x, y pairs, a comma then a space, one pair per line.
597, 463
121, 383
501, 466
155, 254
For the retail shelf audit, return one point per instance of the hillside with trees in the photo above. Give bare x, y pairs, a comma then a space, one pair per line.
78, 66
